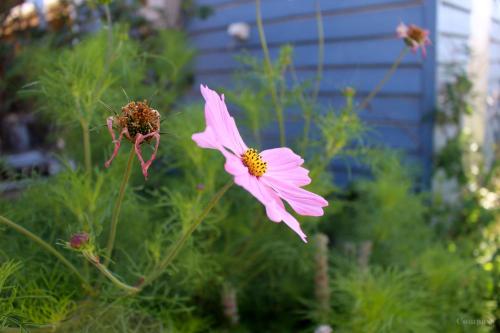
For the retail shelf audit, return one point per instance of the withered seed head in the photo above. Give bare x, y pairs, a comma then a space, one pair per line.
416, 35
138, 117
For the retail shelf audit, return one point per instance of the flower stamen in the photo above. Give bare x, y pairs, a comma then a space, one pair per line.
254, 163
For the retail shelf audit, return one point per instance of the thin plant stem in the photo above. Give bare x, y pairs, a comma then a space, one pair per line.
87, 151
117, 207
319, 74
181, 241
386, 78
49, 328
270, 74
107, 273
321, 52
46, 246
305, 106
109, 47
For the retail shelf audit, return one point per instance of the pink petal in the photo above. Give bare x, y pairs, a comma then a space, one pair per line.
139, 139
302, 201
298, 176
293, 224
284, 164
402, 30
273, 204
275, 210
424, 51
251, 184
281, 159
223, 125
117, 143
233, 164
206, 139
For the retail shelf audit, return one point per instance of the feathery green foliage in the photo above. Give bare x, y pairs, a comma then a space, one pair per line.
391, 271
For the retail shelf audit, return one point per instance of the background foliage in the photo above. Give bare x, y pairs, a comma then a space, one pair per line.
398, 261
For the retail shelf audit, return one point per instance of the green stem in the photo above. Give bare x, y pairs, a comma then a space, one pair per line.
109, 47
46, 246
117, 208
386, 78
270, 74
181, 241
319, 72
321, 53
102, 268
87, 152
49, 328
306, 107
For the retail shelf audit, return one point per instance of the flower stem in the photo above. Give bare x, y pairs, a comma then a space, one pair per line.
46, 246
386, 78
270, 74
117, 208
109, 46
49, 328
317, 85
87, 152
321, 52
181, 241
102, 268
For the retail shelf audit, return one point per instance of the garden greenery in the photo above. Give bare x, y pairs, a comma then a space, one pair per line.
387, 268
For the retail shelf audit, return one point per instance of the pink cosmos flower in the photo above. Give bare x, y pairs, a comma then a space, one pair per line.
271, 176
139, 123
414, 36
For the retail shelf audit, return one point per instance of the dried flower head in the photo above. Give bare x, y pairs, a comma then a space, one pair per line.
79, 240
414, 36
139, 123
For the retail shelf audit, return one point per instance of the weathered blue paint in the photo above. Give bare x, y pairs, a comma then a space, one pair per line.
360, 46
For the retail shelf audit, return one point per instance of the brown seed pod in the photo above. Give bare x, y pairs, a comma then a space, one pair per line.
138, 117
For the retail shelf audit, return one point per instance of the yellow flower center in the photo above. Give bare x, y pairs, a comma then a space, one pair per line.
253, 161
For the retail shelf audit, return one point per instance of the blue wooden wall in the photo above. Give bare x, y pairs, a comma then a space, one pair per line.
360, 46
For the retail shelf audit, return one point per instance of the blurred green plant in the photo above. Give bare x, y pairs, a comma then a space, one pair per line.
387, 267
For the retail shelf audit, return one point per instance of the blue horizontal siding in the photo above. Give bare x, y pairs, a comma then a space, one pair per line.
365, 52
360, 46
286, 9
337, 27
405, 138
405, 81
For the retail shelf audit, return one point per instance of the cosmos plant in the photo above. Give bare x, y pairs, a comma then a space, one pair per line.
272, 176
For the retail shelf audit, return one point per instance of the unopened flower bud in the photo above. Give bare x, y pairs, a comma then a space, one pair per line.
349, 92
79, 240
